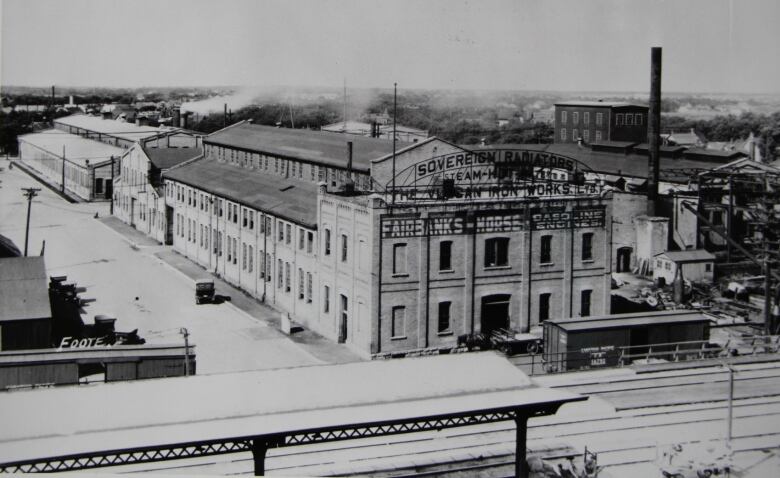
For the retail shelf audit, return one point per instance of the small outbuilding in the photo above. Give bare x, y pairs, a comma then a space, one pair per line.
25, 311
696, 265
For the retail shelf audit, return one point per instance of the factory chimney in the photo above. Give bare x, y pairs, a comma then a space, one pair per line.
654, 130
349, 184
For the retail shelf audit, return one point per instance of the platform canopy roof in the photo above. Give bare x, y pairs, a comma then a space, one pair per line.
77, 150
125, 415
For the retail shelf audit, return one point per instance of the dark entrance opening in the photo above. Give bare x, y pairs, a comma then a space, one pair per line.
638, 341
109, 189
495, 312
343, 313
623, 259
169, 226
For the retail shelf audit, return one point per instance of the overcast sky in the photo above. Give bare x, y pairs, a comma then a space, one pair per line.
599, 45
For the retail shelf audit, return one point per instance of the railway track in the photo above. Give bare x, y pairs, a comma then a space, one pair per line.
487, 450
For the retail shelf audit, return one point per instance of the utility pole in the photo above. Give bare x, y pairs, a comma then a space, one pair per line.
186, 335
395, 115
111, 207
730, 404
62, 187
30, 193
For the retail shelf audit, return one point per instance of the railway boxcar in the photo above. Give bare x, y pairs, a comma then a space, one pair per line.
593, 342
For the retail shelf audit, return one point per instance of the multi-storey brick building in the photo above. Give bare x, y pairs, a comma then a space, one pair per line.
430, 243
596, 121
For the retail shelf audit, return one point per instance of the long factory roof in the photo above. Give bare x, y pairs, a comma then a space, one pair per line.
289, 199
246, 404
320, 147
77, 150
119, 129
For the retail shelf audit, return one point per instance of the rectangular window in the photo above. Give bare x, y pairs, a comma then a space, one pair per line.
301, 238
444, 316
598, 135
586, 117
287, 278
445, 255
309, 242
245, 222
586, 135
399, 322
289, 234
280, 228
268, 265
563, 134
563, 117
575, 134
243, 256
399, 259
544, 307
235, 251
497, 252
235, 213
300, 283
707, 267
327, 242
220, 244
585, 302
251, 219
308, 287
599, 119
251, 259
280, 273
229, 250
638, 119
326, 299
344, 248
619, 119
587, 246
545, 256
629, 120
575, 117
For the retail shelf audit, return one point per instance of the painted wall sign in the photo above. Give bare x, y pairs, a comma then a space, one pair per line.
452, 224
74, 343
543, 219
510, 190
512, 158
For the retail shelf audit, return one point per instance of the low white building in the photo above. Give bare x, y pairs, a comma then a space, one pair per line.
696, 265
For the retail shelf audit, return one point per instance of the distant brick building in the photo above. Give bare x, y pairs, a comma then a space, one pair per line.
597, 121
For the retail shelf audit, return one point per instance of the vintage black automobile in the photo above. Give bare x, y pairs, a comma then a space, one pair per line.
204, 291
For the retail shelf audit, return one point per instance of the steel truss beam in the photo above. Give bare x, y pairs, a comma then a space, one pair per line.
245, 444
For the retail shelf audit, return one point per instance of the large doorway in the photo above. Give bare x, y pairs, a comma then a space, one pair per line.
169, 227
343, 316
495, 312
623, 260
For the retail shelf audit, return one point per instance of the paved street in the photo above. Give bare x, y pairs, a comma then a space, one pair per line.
132, 282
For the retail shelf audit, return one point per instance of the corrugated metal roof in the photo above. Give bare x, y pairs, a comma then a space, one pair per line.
287, 198
24, 292
77, 149
697, 255
319, 147
120, 129
270, 402
629, 320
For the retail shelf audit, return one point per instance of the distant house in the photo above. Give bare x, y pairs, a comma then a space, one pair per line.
695, 265
689, 139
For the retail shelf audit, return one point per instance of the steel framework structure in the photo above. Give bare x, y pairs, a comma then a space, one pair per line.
260, 444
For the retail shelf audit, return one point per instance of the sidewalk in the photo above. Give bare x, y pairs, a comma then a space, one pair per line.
320, 347
131, 234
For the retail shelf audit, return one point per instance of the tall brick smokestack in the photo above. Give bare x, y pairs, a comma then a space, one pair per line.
654, 130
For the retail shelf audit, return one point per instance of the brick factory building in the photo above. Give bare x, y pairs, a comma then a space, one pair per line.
396, 255
597, 121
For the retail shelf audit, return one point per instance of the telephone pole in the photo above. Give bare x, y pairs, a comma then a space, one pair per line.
30, 193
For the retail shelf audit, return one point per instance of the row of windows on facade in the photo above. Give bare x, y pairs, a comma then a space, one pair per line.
575, 135
444, 318
155, 217
496, 253
629, 119
287, 167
